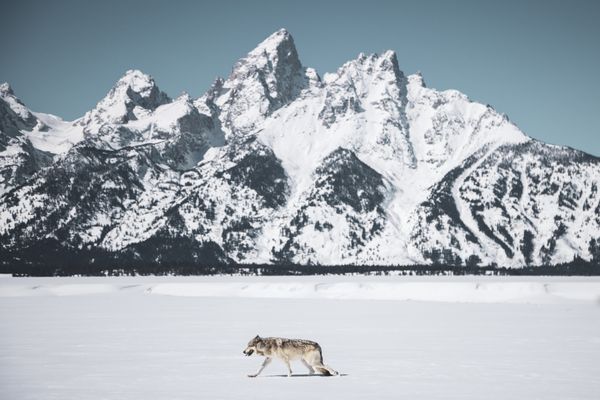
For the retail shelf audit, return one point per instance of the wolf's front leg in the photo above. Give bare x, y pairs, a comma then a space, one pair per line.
264, 364
289, 367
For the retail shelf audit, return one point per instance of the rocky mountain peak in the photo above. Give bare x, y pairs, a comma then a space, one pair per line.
267, 78
206, 102
416, 79
367, 81
217, 85
185, 97
15, 115
6, 89
367, 67
136, 80
275, 60
139, 89
133, 96
280, 39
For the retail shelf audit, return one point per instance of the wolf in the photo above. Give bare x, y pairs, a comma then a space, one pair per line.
287, 350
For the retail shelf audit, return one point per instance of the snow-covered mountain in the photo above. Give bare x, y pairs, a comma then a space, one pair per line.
275, 164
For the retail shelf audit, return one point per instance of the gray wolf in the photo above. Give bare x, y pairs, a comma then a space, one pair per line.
287, 350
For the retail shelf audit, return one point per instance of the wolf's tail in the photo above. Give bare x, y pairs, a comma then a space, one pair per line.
325, 369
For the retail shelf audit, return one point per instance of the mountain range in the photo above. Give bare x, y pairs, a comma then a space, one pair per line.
277, 164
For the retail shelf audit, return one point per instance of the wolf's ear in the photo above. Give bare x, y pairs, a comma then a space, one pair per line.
257, 337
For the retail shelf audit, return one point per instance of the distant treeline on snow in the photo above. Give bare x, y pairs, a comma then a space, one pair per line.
131, 268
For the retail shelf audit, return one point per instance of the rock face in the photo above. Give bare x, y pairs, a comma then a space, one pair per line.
19, 159
268, 78
275, 164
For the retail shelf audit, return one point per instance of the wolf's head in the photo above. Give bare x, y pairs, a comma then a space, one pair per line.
253, 345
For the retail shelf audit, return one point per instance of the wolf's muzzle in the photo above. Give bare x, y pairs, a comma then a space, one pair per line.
248, 352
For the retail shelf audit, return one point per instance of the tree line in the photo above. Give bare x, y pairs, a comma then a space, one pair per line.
74, 267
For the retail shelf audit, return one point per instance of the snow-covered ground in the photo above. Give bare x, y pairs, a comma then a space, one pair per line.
390, 337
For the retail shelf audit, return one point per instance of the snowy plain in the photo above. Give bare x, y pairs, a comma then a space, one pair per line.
390, 337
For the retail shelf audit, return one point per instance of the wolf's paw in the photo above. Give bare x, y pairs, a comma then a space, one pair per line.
252, 375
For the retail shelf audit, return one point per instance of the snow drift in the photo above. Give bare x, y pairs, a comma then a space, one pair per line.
449, 291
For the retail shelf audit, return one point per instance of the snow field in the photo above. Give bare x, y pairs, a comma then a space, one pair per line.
182, 338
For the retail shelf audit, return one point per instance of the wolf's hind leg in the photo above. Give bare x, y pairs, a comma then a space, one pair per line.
264, 364
311, 371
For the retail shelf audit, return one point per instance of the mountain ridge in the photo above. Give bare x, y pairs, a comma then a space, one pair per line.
275, 164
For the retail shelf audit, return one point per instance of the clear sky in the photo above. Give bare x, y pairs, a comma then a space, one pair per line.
537, 61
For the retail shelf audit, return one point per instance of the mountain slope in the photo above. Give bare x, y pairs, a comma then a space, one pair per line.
19, 159
275, 164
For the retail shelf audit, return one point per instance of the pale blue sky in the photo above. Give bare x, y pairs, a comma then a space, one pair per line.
537, 61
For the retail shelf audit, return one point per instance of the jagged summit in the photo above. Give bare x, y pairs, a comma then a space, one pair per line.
184, 96
417, 79
137, 81
267, 78
278, 39
133, 96
6, 89
22, 116
18, 159
388, 55
139, 88
368, 67
272, 56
